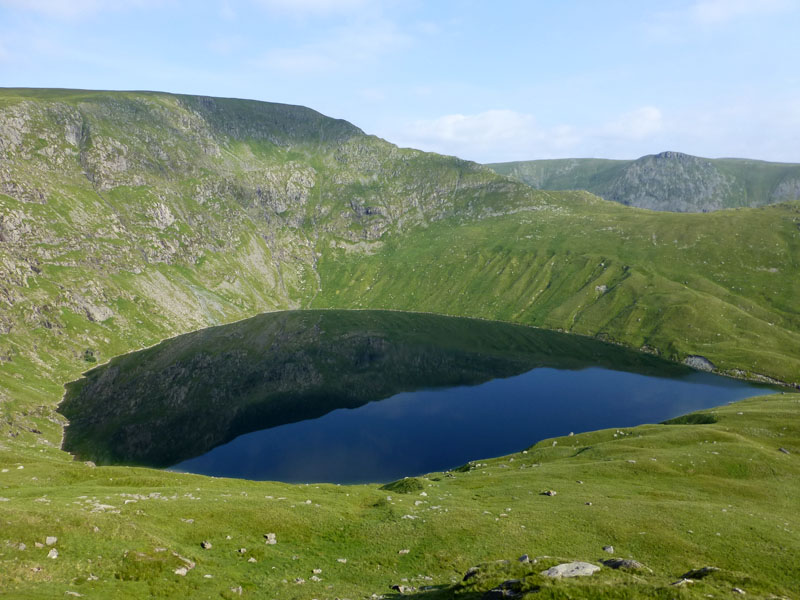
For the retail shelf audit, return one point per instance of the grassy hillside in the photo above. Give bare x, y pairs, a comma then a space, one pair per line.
669, 181
126, 218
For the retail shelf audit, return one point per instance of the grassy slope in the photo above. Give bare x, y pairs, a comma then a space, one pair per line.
682, 283
231, 252
696, 495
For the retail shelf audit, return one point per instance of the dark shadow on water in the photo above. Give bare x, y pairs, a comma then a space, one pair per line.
292, 396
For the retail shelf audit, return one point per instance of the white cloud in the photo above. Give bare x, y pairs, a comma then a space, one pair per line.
312, 8
227, 12
226, 45
347, 48
498, 135
74, 9
636, 125
505, 133
720, 11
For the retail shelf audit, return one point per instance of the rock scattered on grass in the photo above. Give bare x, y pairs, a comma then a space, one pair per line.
609, 549
299, 580
784, 450
508, 589
242, 550
699, 573
314, 578
251, 560
50, 540
53, 553
316, 571
623, 563
237, 590
270, 538
738, 591
182, 571
549, 493
404, 551
341, 560
205, 545
524, 559
573, 569
403, 589
682, 582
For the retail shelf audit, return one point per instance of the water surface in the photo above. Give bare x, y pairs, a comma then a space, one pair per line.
367, 396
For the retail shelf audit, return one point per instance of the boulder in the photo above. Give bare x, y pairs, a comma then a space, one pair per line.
699, 573
623, 563
573, 569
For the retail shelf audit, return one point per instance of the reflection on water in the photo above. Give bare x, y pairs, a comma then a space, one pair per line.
346, 396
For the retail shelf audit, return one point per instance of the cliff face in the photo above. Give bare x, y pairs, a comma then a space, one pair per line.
157, 213
669, 181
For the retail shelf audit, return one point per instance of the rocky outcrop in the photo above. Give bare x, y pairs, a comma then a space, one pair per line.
669, 181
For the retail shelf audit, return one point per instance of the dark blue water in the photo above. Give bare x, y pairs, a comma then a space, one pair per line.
366, 396
436, 429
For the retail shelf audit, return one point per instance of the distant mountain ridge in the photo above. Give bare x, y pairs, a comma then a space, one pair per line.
669, 181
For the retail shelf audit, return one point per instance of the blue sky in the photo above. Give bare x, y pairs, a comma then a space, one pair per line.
488, 81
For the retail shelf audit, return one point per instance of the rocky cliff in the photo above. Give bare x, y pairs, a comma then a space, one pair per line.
669, 181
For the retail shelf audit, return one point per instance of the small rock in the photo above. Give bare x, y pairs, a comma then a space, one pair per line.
623, 563
182, 571
738, 591
205, 545
549, 493
22, 546
573, 569
699, 573
404, 551
315, 578
237, 590
299, 581
38, 544
507, 589
316, 571
70, 593
50, 540
524, 559
609, 549
588, 503
785, 451
271, 539
681, 582
90, 464
53, 553
471, 572
242, 550
251, 560
403, 589
341, 560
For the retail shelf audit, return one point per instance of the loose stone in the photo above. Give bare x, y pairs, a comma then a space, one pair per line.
573, 569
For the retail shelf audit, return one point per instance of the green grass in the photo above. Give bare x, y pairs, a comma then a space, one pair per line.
716, 494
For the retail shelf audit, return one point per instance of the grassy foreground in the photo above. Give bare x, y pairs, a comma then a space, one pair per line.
673, 497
